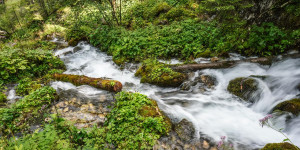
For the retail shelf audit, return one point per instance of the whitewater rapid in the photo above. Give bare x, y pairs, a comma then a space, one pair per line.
214, 112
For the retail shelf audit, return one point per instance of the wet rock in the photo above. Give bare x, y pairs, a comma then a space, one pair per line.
185, 130
245, 88
259, 77
182, 138
77, 48
84, 111
214, 59
208, 80
279, 146
292, 106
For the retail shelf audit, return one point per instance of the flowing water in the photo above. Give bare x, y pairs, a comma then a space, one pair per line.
214, 112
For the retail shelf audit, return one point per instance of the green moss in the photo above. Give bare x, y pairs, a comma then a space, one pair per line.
279, 146
292, 106
243, 87
159, 74
205, 54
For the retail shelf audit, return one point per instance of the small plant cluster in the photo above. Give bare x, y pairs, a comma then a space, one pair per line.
20, 114
222, 145
135, 122
280, 146
16, 64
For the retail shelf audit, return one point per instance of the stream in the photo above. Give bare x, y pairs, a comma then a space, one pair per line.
213, 111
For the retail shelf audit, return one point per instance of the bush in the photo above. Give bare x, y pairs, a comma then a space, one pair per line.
16, 64
268, 39
135, 122
23, 112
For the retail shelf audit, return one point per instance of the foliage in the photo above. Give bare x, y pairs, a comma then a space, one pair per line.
24, 111
2, 98
57, 134
160, 74
16, 64
135, 122
26, 86
127, 127
268, 39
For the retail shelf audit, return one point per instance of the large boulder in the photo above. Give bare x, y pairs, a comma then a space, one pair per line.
292, 106
84, 111
157, 73
279, 146
245, 88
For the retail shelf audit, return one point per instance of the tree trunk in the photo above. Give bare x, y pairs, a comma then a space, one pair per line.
228, 64
219, 65
104, 84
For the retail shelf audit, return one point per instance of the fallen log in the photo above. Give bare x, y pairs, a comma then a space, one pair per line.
104, 84
228, 64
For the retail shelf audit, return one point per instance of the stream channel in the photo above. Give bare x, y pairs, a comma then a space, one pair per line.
213, 111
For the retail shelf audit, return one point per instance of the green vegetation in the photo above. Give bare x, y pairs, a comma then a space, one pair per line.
130, 31
22, 113
292, 106
16, 64
135, 122
160, 74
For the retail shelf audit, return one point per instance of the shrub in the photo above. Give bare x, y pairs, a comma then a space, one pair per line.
16, 64
24, 111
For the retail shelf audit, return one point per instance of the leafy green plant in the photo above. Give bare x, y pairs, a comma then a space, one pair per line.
16, 64
26, 86
135, 122
23, 112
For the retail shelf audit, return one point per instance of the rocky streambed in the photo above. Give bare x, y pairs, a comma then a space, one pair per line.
210, 104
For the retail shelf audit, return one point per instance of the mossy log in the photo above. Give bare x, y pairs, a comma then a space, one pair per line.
228, 64
104, 84
219, 65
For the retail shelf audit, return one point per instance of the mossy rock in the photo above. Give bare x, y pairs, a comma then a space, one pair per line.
157, 73
292, 106
245, 88
205, 54
279, 146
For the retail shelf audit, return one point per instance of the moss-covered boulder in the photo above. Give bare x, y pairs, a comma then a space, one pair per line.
157, 73
292, 106
279, 146
245, 88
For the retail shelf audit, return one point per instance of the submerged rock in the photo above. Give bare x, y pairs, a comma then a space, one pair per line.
292, 106
84, 111
245, 88
206, 80
279, 146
